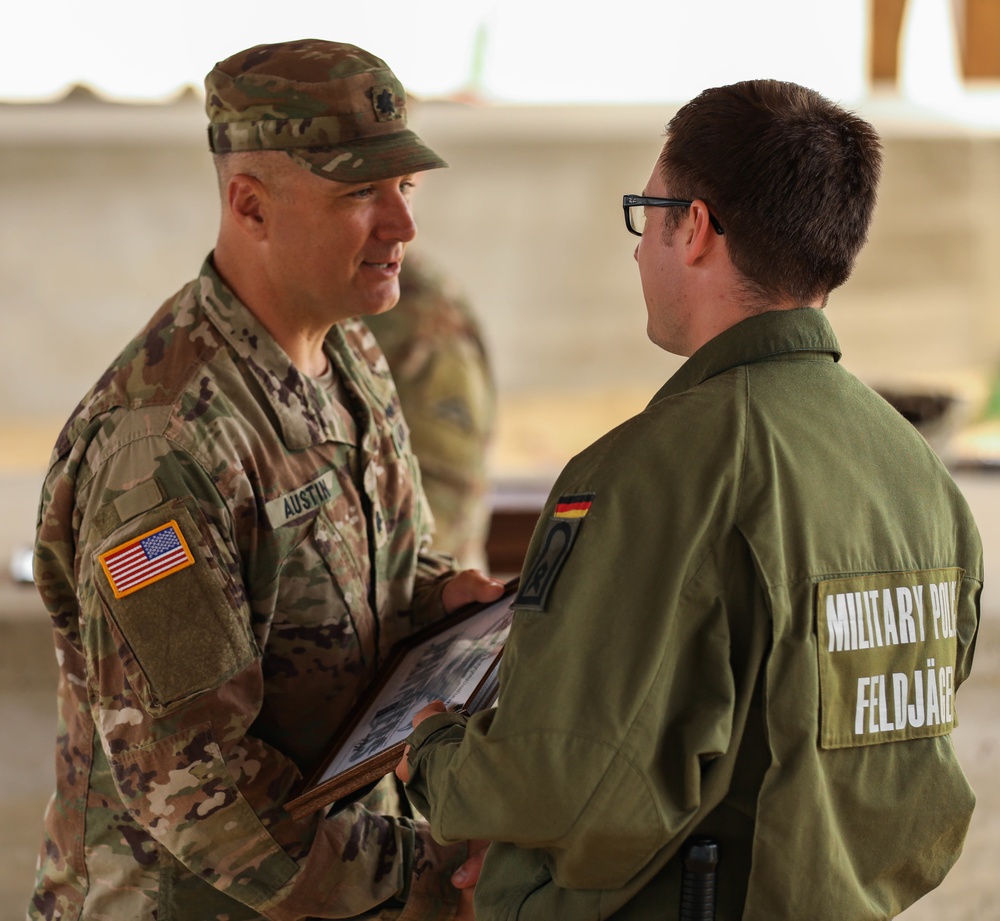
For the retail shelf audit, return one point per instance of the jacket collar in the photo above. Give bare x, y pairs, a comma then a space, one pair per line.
763, 337
303, 409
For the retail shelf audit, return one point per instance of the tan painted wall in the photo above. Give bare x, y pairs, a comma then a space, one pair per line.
105, 210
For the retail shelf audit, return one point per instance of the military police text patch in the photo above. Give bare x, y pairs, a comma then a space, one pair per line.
887, 646
556, 543
146, 559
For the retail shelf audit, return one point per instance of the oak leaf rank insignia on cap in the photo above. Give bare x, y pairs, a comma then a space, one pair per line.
146, 559
560, 534
384, 103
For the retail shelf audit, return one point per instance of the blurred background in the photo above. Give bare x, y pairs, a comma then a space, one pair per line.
547, 114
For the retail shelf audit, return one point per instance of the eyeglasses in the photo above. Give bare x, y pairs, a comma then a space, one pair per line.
635, 213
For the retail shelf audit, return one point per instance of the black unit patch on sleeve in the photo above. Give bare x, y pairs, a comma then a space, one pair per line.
560, 534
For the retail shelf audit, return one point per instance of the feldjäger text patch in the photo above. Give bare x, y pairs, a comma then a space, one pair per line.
887, 646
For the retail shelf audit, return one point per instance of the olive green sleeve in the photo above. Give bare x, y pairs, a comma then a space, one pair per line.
595, 761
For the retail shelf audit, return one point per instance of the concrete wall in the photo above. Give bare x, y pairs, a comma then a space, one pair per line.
105, 210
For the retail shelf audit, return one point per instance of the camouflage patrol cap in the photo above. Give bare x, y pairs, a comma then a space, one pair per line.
333, 108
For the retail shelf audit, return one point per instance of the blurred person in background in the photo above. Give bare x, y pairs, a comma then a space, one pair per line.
435, 349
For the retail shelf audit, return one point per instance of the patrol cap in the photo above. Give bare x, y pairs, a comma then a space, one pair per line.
332, 107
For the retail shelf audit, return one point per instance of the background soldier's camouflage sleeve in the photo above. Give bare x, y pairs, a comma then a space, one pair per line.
226, 570
435, 349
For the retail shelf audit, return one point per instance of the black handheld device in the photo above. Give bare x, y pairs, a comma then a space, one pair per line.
699, 865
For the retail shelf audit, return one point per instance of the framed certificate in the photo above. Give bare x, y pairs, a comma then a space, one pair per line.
457, 660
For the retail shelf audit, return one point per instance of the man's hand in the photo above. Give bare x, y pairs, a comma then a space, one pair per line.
466, 877
403, 768
468, 586
435, 706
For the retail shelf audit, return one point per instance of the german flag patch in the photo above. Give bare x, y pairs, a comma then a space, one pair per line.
146, 559
573, 506
560, 535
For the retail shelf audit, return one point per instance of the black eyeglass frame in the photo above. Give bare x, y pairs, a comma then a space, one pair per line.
647, 201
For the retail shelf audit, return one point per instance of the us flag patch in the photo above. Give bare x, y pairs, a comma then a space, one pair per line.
146, 559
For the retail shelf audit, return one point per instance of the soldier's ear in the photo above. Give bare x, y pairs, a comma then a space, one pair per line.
699, 235
246, 199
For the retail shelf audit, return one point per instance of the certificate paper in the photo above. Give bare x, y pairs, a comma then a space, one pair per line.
457, 662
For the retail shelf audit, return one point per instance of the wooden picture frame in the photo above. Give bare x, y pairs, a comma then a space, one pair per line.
456, 660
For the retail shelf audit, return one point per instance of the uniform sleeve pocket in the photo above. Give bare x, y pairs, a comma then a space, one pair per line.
181, 622
181, 790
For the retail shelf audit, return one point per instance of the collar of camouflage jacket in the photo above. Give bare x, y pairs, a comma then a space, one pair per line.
303, 408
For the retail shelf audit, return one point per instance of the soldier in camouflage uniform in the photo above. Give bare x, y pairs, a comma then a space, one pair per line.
232, 536
435, 351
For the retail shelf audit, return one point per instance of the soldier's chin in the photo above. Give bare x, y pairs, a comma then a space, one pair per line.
386, 304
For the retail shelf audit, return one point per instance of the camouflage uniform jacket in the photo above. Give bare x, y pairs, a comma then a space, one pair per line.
205, 668
435, 350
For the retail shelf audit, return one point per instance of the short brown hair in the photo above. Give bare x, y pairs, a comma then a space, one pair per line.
791, 176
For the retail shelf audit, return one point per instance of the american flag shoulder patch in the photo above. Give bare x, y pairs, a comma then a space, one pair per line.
146, 559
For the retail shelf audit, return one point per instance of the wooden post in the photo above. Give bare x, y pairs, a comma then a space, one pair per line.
886, 24
977, 28
979, 34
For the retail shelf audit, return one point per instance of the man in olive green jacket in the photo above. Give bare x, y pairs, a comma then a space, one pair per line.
745, 612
